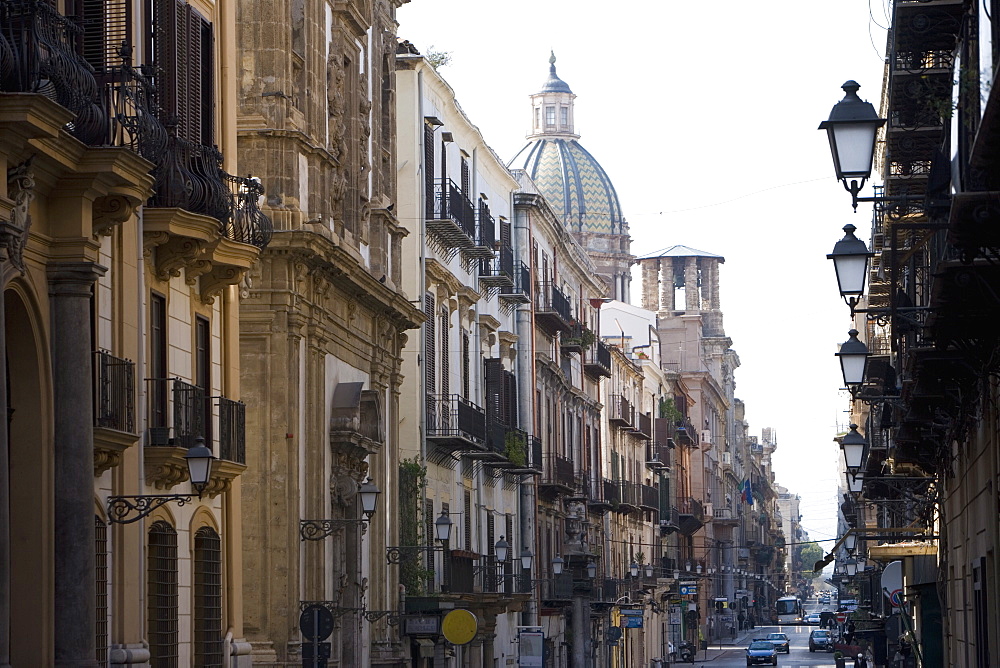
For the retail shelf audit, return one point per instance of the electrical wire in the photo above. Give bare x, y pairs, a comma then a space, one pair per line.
728, 201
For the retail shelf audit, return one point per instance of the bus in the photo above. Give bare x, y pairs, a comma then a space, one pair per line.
789, 610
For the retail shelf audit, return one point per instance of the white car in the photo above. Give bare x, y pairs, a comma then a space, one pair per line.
812, 618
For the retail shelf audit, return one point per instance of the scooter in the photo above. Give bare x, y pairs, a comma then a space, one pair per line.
686, 651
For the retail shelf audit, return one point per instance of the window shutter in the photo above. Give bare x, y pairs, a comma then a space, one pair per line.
429, 170
445, 362
465, 364
468, 520
494, 391
106, 25
430, 363
505, 233
466, 178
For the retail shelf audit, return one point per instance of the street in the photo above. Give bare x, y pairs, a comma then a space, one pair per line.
734, 656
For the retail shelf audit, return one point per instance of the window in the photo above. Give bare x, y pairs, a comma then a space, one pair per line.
468, 520
538, 117
429, 170
445, 361
203, 371
550, 115
564, 115
430, 364
158, 360
465, 364
207, 599
99, 46
101, 571
181, 43
161, 592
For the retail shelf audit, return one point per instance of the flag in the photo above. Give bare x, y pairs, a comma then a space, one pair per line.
747, 492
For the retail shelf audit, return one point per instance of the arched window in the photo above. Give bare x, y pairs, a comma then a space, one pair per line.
161, 600
207, 599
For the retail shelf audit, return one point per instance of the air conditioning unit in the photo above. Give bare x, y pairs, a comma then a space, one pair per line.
727, 458
706, 437
709, 512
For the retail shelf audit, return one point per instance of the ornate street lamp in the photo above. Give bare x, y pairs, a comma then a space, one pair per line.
369, 493
649, 570
854, 445
698, 569
850, 262
198, 457
852, 129
442, 527
851, 567
502, 548
850, 542
633, 569
320, 529
591, 570
557, 565
853, 356
526, 558
855, 482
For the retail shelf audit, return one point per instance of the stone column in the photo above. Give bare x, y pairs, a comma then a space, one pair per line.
649, 284
692, 298
75, 587
581, 637
713, 297
666, 284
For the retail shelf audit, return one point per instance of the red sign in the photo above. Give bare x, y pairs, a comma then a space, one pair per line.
841, 617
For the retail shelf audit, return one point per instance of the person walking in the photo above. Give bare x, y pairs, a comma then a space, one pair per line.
742, 620
861, 661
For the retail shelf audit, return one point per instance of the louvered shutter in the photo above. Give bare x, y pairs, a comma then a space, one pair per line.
429, 170
510, 399
430, 367
466, 178
494, 390
445, 361
468, 520
465, 364
505, 233
106, 25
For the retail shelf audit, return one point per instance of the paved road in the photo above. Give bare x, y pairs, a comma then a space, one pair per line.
730, 656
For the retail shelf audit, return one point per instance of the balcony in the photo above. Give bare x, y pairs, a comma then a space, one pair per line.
657, 457
114, 409
578, 339
520, 291
597, 361
630, 497
451, 220
685, 434
690, 515
612, 493
620, 412
593, 491
725, 516
557, 591
507, 448
473, 576
663, 433
498, 271
534, 465
558, 476
644, 426
455, 423
649, 497
178, 414
486, 235
670, 521
552, 309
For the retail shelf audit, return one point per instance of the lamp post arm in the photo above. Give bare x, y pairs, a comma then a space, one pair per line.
121, 508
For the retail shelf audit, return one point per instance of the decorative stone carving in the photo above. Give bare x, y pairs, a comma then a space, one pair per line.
165, 466
14, 234
109, 211
356, 428
109, 445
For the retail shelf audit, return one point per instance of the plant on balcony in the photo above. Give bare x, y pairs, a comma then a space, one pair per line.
515, 448
587, 338
669, 411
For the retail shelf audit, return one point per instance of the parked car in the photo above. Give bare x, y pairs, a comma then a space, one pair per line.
780, 642
820, 639
812, 618
761, 652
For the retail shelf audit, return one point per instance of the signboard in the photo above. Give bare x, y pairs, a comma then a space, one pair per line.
892, 583
459, 627
688, 582
426, 625
841, 617
689, 590
632, 622
721, 598
531, 649
316, 623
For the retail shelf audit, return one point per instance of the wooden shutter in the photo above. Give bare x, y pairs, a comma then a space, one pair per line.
509, 399
505, 233
468, 520
429, 170
183, 51
445, 362
465, 364
430, 364
494, 390
106, 25
466, 178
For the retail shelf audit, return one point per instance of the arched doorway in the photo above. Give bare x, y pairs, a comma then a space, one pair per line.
30, 475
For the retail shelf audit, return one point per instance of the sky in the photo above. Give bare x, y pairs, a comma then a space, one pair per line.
705, 117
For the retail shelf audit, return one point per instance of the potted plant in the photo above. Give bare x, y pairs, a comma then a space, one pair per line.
838, 658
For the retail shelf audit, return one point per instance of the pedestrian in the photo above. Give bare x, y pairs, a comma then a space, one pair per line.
742, 620
732, 632
861, 661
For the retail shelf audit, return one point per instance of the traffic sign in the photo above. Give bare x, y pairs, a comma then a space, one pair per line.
841, 617
687, 590
316, 623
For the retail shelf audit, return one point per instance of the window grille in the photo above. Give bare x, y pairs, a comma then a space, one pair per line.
207, 599
161, 589
101, 572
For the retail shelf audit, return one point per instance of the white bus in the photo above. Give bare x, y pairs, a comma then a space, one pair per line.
789, 610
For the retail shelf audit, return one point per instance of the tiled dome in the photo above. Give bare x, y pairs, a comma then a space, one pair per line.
573, 183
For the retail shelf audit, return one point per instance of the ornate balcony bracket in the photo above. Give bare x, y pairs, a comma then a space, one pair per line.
129, 509
110, 211
165, 465
109, 445
223, 474
320, 529
396, 554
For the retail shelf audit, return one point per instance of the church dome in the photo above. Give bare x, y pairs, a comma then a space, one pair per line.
573, 182
566, 174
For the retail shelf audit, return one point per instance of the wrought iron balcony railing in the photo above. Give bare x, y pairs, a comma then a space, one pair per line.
552, 308
520, 291
559, 473
612, 492
455, 422
176, 412
657, 456
498, 270
620, 411
597, 360
644, 426
114, 392
649, 497
232, 430
452, 219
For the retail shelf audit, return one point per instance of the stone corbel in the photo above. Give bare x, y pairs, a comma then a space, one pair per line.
176, 254
222, 477
109, 211
165, 465
109, 445
216, 281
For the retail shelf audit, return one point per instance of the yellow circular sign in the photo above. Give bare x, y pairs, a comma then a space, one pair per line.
459, 627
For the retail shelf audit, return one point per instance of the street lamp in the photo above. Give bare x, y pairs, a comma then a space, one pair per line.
320, 529
851, 567
855, 482
854, 445
369, 493
853, 356
633, 569
557, 565
687, 567
502, 548
526, 558
198, 457
698, 569
591, 570
850, 262
649, 570
850, 542
442, 527
852, 129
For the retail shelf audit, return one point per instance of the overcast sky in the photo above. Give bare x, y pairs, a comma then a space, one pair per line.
705, 117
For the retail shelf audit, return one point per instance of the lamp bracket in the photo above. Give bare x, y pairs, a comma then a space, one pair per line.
121, 508
320, 529
396, 554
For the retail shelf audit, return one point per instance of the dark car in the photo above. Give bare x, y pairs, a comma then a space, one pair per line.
820, 639
780, 642
761, 652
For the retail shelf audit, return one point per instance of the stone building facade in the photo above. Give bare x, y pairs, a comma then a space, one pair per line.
322, 325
